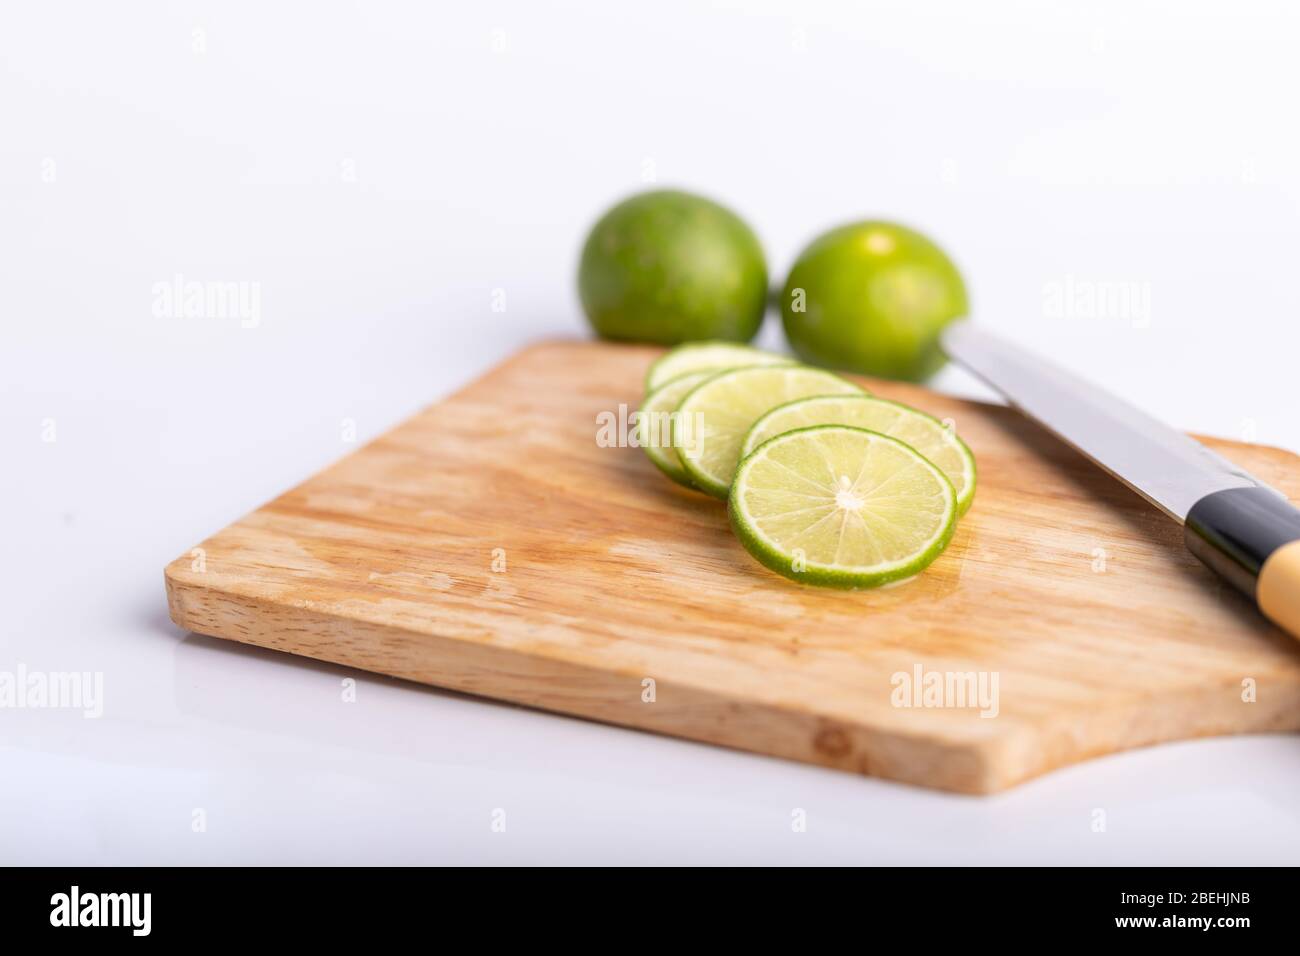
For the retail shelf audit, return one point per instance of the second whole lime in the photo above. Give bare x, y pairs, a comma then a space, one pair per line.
669, 267
872, 297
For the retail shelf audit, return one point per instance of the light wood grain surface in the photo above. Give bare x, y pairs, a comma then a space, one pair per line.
491, 545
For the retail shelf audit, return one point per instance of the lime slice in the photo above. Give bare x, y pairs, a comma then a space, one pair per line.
714, 417
923, 432
842, 507
707, 356
654, 424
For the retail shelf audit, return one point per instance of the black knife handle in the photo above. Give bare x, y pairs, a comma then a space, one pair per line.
1251, 537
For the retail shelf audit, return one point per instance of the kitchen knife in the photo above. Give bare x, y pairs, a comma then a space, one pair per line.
1232, 522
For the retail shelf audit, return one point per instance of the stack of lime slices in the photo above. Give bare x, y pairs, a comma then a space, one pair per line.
825, 483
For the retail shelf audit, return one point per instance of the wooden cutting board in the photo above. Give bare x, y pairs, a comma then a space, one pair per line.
492, 545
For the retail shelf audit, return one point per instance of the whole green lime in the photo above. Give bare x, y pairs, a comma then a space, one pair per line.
669, 267
872, 297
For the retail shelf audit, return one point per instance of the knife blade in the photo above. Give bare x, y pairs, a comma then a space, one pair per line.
1233, 522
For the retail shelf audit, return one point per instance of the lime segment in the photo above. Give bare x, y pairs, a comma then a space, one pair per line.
707, 356
923, 432
842, 507
654, 424
714, 417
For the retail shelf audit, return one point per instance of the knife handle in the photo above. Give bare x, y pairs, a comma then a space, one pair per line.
1251, 537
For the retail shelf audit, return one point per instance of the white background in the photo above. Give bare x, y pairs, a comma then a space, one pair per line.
379, 169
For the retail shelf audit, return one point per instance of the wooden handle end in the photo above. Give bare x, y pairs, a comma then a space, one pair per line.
1278, 590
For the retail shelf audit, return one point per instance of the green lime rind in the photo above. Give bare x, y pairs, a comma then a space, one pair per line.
872, 297
721, 410
779, 557
668, 267
654, 425
711, 356
925, 433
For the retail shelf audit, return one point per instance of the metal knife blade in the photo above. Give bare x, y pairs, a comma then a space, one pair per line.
1161, 464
